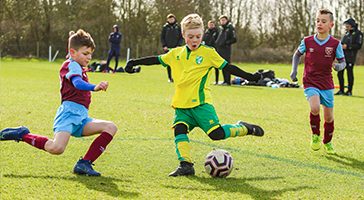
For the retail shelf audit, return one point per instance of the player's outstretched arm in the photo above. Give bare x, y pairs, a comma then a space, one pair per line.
83, 85
295, 60
151, 60
234, 70
103, 85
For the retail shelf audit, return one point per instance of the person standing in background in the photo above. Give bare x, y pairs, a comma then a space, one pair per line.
171, 37
115, 39
351, 42
209, 40
223, 43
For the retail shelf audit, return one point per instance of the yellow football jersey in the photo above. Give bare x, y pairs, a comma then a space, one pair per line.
191, 71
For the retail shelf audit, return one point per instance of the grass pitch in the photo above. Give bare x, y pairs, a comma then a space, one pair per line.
137, 162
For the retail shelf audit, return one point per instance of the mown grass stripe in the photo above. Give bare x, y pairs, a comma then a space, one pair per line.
293, 162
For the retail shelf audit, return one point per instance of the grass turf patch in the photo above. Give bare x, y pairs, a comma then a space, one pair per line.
136, 164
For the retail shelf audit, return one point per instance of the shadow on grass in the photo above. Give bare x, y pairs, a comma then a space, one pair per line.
355, 96
99, 183
242, 186
352, 162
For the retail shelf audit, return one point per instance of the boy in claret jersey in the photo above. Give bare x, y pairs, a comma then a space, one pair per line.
72, 116
321, 50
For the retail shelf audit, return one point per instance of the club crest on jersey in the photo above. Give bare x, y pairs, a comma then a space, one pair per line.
328, 51
199, 59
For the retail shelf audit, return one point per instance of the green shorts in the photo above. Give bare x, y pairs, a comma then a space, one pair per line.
203, 116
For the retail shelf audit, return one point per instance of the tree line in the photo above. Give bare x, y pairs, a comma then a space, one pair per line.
267, 30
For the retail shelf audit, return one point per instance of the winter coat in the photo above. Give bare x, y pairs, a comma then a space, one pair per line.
171, 35
354, 41
226, 37
210, 37
224, 40
115, 39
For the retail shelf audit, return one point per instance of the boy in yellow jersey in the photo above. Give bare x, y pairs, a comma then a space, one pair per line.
191, 69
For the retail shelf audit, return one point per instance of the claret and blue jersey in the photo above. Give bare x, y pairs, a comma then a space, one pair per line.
69, 69
319, 58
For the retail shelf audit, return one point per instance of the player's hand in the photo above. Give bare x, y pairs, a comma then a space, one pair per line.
103, 85
334, 66
257, 76
136, 69
129, 67
293, 77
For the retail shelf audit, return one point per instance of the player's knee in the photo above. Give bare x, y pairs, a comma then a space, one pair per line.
315, 110
56, 149
329, 119
111, 128
217, 134
180, 129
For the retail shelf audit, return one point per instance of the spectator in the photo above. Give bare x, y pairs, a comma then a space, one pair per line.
351, 43
171, 37
115, 39
209, 40
223, 44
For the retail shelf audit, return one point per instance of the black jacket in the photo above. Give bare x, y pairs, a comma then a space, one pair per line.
210, 37
354, 41
171, 35
226, 36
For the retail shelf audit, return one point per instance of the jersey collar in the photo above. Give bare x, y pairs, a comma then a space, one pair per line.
189, 50
321, 42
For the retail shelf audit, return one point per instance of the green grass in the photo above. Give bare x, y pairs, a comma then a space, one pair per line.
137, 162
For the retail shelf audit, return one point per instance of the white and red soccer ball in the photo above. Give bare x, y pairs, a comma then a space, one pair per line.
219, 163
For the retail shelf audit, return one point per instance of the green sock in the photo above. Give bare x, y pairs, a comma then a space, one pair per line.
234, 130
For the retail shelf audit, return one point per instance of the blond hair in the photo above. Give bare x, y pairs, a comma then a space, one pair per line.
224, 16
191, 21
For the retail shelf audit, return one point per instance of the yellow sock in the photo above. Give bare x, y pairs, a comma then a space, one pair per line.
183, 149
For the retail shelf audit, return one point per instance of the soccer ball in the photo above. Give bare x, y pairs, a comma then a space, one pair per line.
219, 163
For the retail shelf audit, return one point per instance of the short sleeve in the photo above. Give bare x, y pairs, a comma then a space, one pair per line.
165, 59
339, 52
302, 48
74, 69
217, 60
